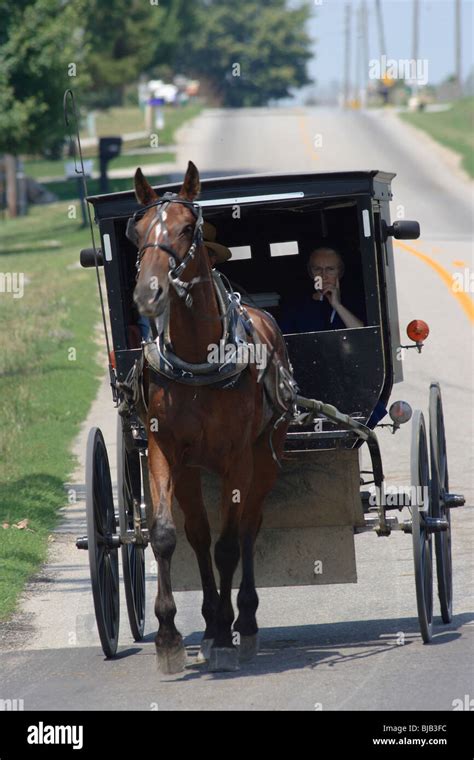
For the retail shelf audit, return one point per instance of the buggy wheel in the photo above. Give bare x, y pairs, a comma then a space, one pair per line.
422, 538
102, 542
439, 487
133, 556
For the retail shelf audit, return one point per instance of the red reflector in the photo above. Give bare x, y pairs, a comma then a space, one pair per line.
400, 412
112, 359
418, 330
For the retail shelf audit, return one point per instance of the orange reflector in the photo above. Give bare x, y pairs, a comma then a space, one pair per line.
112, 359
418, 330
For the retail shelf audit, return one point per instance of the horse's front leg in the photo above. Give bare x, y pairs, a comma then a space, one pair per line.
169, 643
224, 655
188, 491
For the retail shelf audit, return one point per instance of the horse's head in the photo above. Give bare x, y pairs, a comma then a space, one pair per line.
168, 235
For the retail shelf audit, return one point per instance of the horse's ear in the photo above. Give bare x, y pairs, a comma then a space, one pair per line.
143, 190
192, 184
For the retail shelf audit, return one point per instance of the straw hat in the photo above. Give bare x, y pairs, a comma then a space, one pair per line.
221, 252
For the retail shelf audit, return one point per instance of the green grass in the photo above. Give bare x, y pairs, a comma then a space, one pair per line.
119, 121
115, 121
45, 394
39, 168
453, 128
67, 189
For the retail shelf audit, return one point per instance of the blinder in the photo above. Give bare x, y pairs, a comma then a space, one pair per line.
131, 231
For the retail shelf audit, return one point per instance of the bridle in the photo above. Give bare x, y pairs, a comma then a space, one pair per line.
175, 269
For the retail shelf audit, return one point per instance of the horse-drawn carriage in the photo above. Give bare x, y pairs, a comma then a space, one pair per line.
271, 223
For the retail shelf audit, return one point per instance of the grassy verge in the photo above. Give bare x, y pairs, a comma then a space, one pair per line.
49, 369
39, 168
453, 128
67, 189
49, 374
120, 121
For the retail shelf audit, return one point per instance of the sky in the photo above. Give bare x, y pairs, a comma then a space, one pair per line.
436, 38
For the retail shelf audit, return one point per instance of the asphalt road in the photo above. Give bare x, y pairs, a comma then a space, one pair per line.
335, 647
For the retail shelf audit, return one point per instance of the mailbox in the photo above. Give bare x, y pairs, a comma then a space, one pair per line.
109, 148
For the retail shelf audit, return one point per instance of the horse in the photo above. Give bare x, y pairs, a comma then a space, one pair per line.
231, 431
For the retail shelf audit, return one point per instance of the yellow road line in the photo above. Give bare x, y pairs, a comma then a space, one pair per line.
464, 299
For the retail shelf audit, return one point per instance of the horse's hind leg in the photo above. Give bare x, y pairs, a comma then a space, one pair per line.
264, 475
169, 643
188, 491
224, 655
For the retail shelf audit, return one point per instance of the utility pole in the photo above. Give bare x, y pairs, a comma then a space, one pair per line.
358, 61
364, 23
457, 48
416, 32
347, 54
378, 12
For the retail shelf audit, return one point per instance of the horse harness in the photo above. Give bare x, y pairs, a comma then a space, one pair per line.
238, 330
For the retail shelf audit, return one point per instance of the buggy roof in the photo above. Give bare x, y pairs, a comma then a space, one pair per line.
247, 188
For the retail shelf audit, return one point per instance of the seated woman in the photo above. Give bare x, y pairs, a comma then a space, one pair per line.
322, 309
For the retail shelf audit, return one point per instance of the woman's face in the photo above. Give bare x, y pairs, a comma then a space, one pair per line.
326, 266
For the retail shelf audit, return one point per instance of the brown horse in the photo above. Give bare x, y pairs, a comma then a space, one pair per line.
224, 430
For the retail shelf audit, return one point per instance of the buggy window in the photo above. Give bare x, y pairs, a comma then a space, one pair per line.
281, 239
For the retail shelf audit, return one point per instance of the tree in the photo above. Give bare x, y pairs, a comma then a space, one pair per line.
40, 56
122, 37
40, 51
249, 52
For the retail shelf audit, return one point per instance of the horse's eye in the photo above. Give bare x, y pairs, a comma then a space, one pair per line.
188, 230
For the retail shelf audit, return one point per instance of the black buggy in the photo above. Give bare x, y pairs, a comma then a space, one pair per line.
345, 377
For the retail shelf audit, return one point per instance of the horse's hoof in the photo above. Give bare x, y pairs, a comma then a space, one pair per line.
204, 651
223, 659
248, 648
171, 660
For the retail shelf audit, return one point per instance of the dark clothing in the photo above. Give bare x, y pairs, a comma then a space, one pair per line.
308, 315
